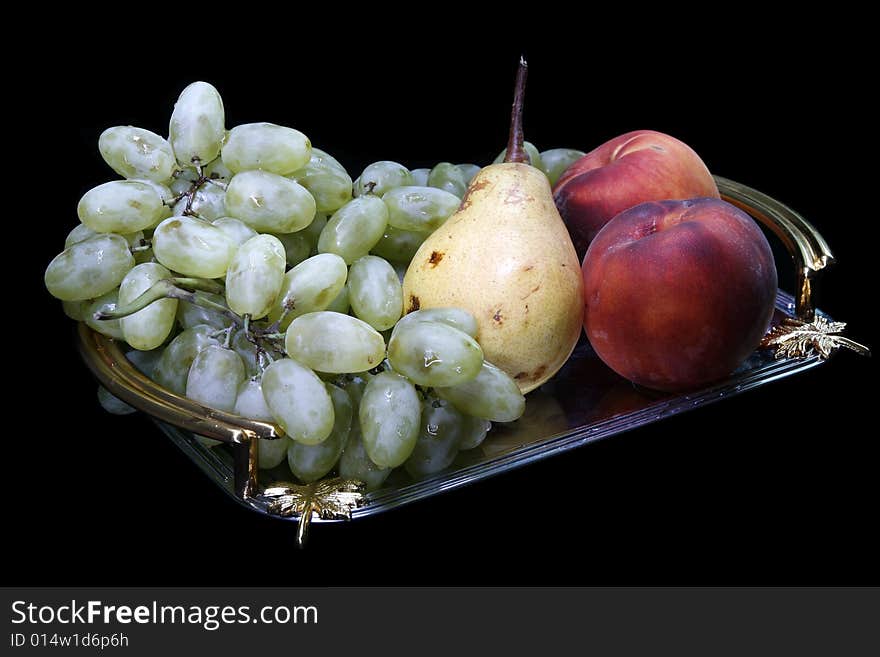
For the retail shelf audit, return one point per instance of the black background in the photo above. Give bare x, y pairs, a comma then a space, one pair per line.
776, 486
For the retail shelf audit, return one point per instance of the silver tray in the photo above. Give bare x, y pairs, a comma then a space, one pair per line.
583, 403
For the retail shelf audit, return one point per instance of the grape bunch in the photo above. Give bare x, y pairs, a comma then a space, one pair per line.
248, 272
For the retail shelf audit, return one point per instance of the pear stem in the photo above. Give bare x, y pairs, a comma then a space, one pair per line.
515, 151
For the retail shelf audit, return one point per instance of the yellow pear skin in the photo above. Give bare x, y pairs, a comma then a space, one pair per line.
506, 256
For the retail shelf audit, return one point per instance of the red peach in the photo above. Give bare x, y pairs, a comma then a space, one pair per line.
678, 293
639, 166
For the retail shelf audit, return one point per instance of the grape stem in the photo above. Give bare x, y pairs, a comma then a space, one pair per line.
203, 284
195, 291
286, 308
168, 288
190, 194
159, 290
228, 340
198, 298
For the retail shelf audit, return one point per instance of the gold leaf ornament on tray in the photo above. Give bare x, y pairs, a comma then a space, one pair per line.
794, 338
330, 499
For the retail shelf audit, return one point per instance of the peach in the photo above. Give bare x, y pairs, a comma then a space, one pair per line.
678, 293
638, 166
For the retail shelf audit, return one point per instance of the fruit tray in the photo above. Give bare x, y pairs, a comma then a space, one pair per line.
584, 402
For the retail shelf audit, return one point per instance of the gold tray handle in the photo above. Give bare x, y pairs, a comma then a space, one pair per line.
106, 361
808, 249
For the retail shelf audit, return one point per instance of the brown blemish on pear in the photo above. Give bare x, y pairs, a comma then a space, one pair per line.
475, 186
530, 293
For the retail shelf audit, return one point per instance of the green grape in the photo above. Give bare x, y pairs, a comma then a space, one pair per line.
356, 464
183, 179
216, 170
340, 304
172, 368
190, 314
80, 233
311, 462
109, 327
164, 193
89, 268
355, 228
247, 351
312, 285
197, 125
534, 156
183, 182
557, 160
438, 440
255, 275
422, 209
299, 401
140, 257
400, 269
144, 361
120, 206
420, 177
297, 247
251, 403
333, 342
265, 146
389, 415
238, 231
208, 202
449, 178
492, 395
272, 452
469, 171
134, 239
374, 292
398, 245
146, 329
455, 317
77, 310
434, 354
473, 431
326, 179
269, 203
214, 377
193, 247
313, 231
354, 385
381, 176
137, 153
112, 404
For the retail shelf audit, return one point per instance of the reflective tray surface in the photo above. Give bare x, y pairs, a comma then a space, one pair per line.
584, 402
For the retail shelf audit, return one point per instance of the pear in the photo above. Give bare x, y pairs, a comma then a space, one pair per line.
506, 256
